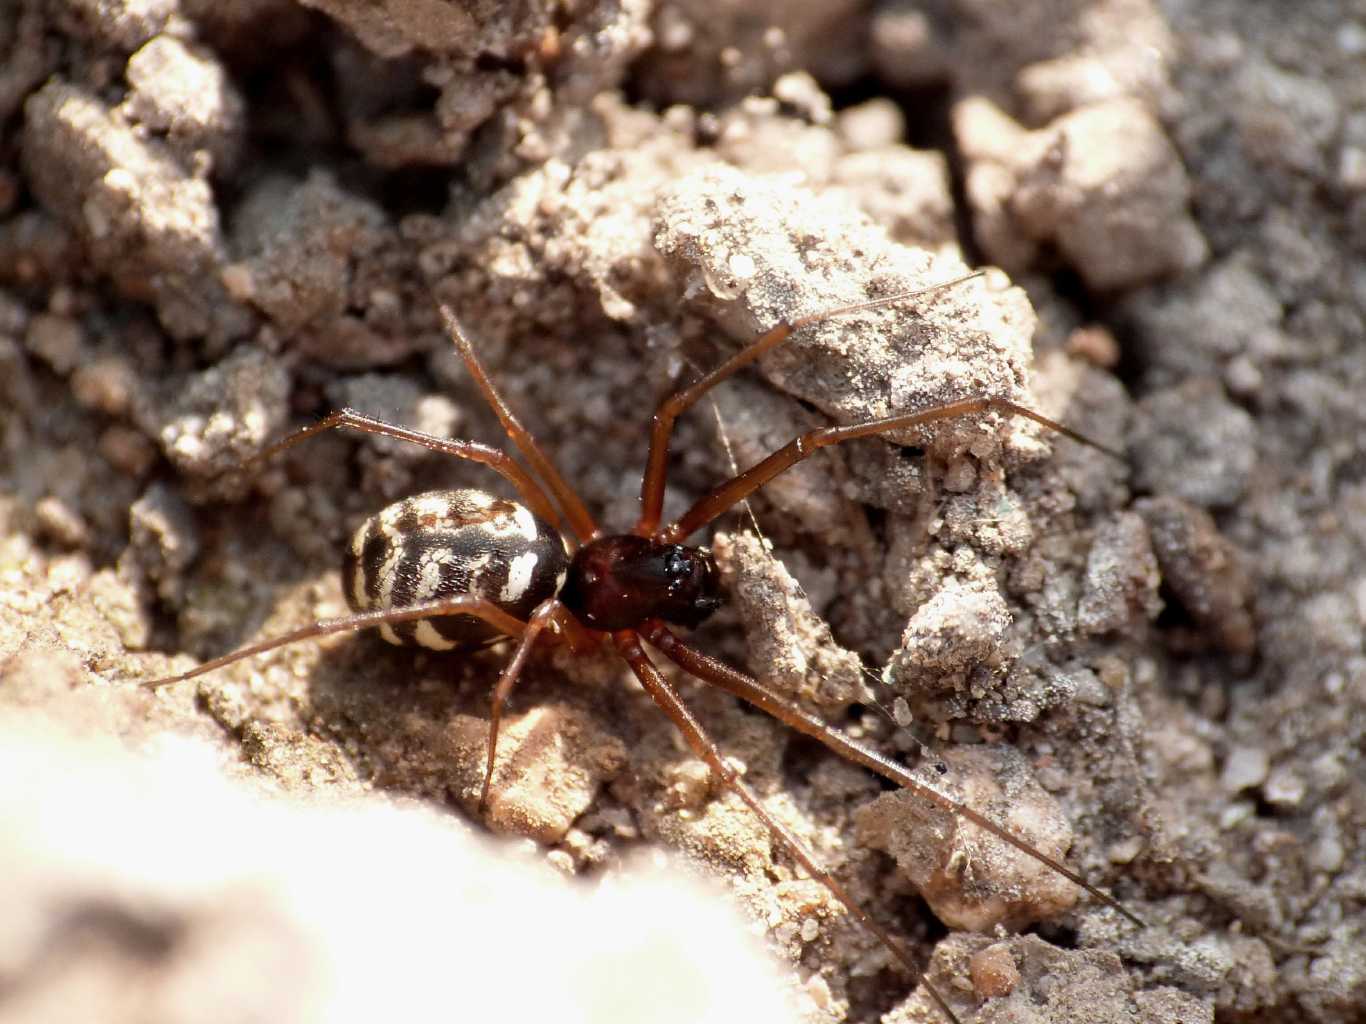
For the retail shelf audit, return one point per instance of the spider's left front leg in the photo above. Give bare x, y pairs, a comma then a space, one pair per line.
726, 495
661, 428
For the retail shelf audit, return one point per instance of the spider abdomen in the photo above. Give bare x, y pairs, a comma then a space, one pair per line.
444, 543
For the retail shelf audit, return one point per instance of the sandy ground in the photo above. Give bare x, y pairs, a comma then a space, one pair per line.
220, 221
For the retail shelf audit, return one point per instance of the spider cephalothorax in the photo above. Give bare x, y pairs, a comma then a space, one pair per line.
620, 582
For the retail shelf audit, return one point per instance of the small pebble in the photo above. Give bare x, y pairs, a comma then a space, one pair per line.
61, 522
1245, 768
993, 971
1284, 788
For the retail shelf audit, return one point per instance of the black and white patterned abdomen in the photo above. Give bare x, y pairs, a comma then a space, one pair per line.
444, 543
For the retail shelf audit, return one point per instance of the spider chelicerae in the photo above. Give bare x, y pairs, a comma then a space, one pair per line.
456, 568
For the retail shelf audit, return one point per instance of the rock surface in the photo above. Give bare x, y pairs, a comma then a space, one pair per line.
219, 221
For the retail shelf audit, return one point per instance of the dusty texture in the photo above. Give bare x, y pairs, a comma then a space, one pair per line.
218, 221
1102, 185
972, 881
802, 659
249, 909
1027, 980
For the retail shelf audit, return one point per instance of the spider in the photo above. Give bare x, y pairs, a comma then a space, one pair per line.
458, 568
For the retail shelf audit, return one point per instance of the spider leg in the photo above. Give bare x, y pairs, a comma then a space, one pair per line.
498, 461
661, 427
578, 637
462, 604
735, 490
576, 512
545, 613
663, 694
749, 689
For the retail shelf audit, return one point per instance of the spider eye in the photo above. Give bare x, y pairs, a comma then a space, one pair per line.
677, 564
